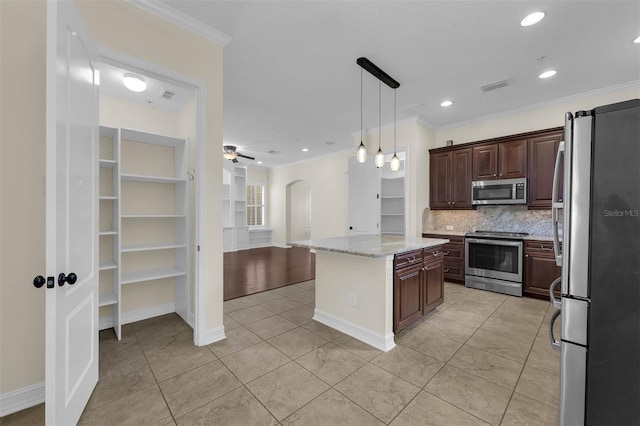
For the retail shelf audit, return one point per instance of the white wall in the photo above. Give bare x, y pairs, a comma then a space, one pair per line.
123, 27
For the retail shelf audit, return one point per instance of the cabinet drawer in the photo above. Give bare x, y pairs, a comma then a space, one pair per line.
453, 252
539, 246
409, 258
453, 271
432, 253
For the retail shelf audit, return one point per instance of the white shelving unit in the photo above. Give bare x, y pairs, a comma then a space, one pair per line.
393, 201
108, 234
145, 180
260, 237
236, 235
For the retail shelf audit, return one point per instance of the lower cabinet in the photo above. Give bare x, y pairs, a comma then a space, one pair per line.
418, 285
453, 253
540, 269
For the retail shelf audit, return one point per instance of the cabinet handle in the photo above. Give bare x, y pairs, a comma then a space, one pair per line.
435, 253
453, 202
494, 175
526, 255
446, 270
446, 253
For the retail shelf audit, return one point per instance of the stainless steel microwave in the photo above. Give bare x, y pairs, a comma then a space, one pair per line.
500, 191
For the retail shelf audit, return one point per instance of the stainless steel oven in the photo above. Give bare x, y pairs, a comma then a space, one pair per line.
493, 261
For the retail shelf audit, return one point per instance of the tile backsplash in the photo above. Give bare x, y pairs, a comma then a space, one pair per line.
489, 218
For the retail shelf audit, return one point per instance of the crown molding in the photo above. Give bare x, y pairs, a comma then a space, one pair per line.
635, 83
311, 159
182, 20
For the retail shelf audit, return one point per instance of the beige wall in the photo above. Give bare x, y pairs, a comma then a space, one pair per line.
299, 211
22, 169
23, 47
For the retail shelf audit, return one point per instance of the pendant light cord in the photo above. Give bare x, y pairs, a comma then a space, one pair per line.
379, 115
360, 105
395, 106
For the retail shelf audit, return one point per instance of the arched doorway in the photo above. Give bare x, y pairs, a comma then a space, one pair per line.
298, 221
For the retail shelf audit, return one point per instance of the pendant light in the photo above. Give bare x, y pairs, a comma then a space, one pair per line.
395, 160
379, 158
361, 152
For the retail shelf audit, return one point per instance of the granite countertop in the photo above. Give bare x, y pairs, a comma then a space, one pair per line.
370, 245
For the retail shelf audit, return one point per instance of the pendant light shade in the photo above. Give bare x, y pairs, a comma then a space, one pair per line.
361, 151
379, 159
395, 160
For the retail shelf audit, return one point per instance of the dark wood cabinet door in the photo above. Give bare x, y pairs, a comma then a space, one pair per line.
540, 270
513, 159
439, 181
460, 192
407, 296
434, 284
454, 271
485, 162
542, 157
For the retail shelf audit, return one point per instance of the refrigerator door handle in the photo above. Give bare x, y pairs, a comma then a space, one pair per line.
556, 205
555, 344
557, 303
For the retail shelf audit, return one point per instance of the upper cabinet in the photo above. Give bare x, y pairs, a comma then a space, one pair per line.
504, 160
542, 155
450, 183
529, 155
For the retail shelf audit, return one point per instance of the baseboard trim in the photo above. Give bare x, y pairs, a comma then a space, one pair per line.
138, 315
378, 341
212, 335
280, 245
27, 397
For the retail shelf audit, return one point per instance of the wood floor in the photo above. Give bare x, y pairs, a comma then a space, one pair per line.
252, 271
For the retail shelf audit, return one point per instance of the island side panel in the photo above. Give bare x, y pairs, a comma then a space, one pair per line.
340, 277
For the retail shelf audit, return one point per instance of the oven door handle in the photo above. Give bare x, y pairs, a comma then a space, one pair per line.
494, 242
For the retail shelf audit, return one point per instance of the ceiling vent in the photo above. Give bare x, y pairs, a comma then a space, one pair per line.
495, 85
273, 152
167, 94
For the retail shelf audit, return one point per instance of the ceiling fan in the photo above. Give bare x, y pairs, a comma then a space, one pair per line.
230, 153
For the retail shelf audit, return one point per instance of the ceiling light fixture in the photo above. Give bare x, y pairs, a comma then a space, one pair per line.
379, 158
395, 160
305, 149
259, 162
361, 152
532, 19
446, 103
637, 40
229, 152
133, 82
547, 74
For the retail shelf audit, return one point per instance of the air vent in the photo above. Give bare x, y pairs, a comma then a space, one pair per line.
167, 94
273, 152
495, 85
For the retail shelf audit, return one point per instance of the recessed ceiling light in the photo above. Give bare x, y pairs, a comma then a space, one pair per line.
547, 74
305, 149
532, 19
259, 162
135, 83
446, 103
637, 40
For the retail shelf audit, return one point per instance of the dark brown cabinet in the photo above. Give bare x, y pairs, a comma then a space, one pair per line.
450, 183
418, 285
540, 269
542, 156
453, 256
504, 160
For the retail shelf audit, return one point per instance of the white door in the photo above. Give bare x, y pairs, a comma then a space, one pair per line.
71, 226
364, 198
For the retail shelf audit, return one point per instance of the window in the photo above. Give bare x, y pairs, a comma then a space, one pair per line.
255, 205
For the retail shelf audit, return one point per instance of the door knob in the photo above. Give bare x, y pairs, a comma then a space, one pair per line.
39, 281
71, 278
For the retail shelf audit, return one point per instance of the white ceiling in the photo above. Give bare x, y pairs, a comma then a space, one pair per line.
291, 80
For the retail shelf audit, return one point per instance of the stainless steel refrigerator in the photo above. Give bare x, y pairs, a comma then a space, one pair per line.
596, 221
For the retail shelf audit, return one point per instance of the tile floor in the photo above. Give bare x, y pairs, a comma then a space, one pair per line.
480, 358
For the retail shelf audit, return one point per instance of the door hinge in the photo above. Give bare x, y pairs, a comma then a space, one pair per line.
198, 247
378, 196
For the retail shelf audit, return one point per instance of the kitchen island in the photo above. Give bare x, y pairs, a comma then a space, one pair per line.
355, 282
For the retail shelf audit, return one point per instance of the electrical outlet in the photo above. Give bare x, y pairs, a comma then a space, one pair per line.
353, 300
449, 227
